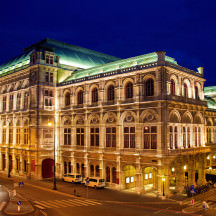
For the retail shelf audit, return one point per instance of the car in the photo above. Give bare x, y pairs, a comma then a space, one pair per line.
95, 182
73, 177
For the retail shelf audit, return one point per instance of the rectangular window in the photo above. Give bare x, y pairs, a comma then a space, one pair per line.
80, 136
48, 97
26, 136
4, 103
18, 136
10, 135
26, 100
94, 136
18, 101
11, 103
49, 77
150, 137
111, 137
4, 136
67, 136
129, 137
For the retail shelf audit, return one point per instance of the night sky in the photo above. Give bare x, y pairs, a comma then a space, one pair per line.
185, 29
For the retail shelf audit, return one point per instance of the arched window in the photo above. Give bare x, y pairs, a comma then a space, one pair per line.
114, 175
26, 133
18, 135
172, 87
196, 93
129, 90
185, 90
107, 174
110, 93
18, 101
78, 167
94, 95
92, 170
80, 97
97, 171
184, 137
67, 133
188, 137
67, 99
149, 87
171, 137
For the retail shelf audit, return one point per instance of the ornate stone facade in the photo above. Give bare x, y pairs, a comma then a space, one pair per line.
131, 121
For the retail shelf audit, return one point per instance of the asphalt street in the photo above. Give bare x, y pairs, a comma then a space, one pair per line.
99, 202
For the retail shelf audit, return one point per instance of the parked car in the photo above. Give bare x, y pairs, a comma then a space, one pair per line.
73, 177
95, 182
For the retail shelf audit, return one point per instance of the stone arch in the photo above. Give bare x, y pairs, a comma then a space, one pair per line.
25, 84
128, 116
149, 116
66, 120
199, 86
109, 117
94, 119
149, 76
78, 89
92, 87
198, 119
174, 77
174, 116
129, 174
107, 85
188, 86
187, 117
17, 86
209, 122
127, 80
79, 119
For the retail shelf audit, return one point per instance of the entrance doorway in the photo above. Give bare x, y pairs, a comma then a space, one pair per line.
47, 168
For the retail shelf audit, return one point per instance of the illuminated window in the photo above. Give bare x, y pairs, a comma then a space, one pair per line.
111, 137
94, 95
80, 97
129, 137
146, 176
149, 87
80, 136
150, 137
172, 87
132, 179
110, 93
94, 134
129, 90
150, 175
127, 180
67, 99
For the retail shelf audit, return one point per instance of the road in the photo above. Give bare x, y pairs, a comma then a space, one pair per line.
100, 202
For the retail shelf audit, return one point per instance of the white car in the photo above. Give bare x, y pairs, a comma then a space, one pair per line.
73, 177
95, 182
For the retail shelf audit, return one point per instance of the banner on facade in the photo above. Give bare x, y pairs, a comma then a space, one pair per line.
32, 165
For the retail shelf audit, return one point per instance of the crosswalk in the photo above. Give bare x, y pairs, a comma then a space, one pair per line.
75, 202
199, 203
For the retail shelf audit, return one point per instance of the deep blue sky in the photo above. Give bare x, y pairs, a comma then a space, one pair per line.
185, 29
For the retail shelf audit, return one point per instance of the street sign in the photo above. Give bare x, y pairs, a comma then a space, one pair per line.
192, 189
192, 202
18, 202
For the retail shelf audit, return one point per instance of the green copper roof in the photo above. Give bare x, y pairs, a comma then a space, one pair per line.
210, 96
120, 64
70, 55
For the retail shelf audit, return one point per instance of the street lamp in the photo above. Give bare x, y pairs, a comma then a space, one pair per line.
54, 170
163, 180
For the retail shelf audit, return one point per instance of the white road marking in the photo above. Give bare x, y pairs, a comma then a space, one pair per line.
76, 204
38, 206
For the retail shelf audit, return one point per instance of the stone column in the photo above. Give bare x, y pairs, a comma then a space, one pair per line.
119, 174
191, 172
201, 170
139, 177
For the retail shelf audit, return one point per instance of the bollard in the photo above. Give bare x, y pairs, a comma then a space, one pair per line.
18, 208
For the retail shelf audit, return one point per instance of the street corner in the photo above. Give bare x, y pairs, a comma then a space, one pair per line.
191, 210
18, 208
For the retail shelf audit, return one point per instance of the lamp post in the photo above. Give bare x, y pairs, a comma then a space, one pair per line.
210, 168
163, 180
54, 170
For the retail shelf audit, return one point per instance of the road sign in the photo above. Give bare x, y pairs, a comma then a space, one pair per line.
192, 187
193, 191
87, 181
18, 202
192, 201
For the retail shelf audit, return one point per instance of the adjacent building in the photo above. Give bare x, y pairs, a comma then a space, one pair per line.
139, 122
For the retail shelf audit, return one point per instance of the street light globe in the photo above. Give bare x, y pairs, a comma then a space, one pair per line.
214, 156
208, 157
4, 126
49, 123
185, 167
163, 179
173, 169
210, 168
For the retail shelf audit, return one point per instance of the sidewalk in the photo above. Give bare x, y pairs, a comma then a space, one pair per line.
12, 207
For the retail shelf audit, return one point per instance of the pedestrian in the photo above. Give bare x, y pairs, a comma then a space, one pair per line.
74, 191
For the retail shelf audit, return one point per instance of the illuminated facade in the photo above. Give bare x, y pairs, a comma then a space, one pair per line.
131, 121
